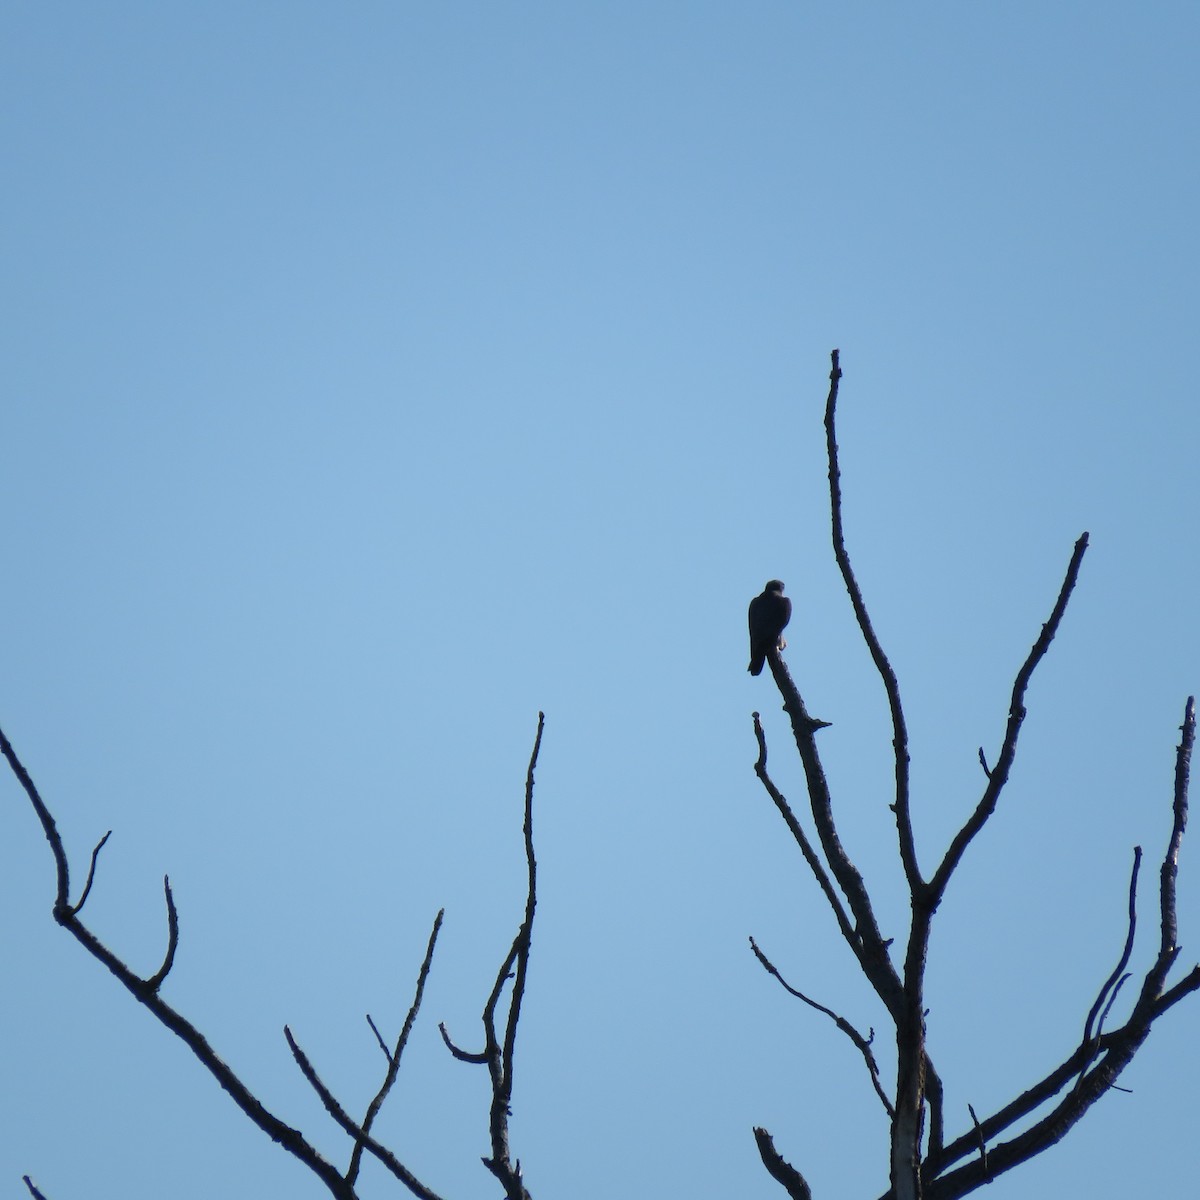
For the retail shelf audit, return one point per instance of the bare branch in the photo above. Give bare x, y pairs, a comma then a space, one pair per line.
87, 887
33, 1191
801, 839
394, 1056
983, 1162
779, 1168
61, 903
379, 1038
467, 1056
1108, 992
290, 1139
339, 1114
862, 1044
868, 942
891, 684
156, 980
499, 1055
998, 776
1110, 1052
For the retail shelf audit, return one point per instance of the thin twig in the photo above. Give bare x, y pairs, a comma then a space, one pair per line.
468, 1056
379, 1038
87, 887
801, 839
394, 1056
983, 1162
862, 1044
156, 980
356, 1131
1108, 992
33, 1191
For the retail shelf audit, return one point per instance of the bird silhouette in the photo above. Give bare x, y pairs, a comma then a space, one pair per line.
769, 615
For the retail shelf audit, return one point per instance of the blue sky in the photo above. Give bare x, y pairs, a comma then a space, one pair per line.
379, 375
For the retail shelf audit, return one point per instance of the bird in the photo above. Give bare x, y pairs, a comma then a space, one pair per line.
769, 614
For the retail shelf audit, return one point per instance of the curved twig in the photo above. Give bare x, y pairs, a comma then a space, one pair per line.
156, 980
861, 1044
801, 839
87, 887
1108, 992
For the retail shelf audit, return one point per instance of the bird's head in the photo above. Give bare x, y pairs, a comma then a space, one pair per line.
774, 585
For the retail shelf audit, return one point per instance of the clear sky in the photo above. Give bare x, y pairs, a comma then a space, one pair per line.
377, 375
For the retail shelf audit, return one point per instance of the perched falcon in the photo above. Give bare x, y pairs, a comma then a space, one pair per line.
769, 614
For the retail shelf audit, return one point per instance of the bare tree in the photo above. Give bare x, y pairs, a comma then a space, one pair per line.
923, 1164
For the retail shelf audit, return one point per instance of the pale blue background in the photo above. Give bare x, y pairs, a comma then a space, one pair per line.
378, 374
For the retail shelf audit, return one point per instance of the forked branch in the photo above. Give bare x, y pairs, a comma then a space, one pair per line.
145, 991
499, 1051
998, 776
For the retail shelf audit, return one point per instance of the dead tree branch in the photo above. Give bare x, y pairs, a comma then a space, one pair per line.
908, 851
499, 1053
356, 1131
861, 1044
779, 1168
998, 776
394, 1054
146, 993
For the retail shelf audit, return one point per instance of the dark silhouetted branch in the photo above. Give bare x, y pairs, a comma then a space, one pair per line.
499, 1052
862, 1044
867, 941
33, 1191
779, 1168
356, 1131
998, 776
156, 980
146, 994
908, 852
801, 839
379, 1038
1094, 1024
394, 1055
61, 903
87, 887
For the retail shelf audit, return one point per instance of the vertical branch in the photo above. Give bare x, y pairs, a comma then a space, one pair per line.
499, 1056
908, 852
394, 1054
